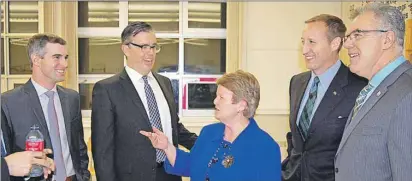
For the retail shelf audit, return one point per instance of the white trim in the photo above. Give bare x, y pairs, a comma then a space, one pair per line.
85, 32
167, 35
272, 112
18, 76
197, 113
12, 81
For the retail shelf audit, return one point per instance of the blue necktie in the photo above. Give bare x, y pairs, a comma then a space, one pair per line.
304, 122
154, 115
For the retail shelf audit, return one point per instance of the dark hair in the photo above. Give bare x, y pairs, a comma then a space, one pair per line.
133, 29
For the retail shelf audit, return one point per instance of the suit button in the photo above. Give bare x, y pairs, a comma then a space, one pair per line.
336, 170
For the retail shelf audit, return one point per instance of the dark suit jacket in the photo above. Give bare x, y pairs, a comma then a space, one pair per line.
120, 152
5, 176
22, 110
313, 160
4, 170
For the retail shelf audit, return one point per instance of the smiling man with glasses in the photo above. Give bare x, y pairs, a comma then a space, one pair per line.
134, 100
376, 144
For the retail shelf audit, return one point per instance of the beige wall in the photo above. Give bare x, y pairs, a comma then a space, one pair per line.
271, 39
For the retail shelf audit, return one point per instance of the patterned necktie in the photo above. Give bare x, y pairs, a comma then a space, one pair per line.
154, 115
361, 99
304, 121
55, 138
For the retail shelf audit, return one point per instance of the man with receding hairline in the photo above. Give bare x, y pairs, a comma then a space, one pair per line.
320, 102
377, 141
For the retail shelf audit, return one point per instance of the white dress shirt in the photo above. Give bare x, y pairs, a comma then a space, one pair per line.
164, 110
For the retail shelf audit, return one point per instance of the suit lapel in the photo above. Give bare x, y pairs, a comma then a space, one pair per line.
379, 92
130, 90
332, 97
66, 112
300, 91
37, 110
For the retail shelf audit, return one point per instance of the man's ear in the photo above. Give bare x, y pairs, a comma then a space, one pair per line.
35, 59
389, 40
125, 49
335, 44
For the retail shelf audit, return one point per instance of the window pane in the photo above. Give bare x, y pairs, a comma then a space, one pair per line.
2, 56
205, 56
100, 56
85, 91
2, 16
201, 96
163, 16
19, 61
23, 17
98, 14
168, 57
207, 15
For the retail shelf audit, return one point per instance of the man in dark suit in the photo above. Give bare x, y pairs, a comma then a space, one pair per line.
55, 109
320, 102
376, 144
135, 99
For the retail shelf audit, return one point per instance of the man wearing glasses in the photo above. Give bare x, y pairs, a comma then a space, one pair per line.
136, 99
377, 141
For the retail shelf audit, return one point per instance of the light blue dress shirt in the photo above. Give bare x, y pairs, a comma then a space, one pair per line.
324, 81
383, 73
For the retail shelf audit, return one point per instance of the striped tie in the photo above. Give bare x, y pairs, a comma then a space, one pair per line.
154, 115
361, 99
306, 115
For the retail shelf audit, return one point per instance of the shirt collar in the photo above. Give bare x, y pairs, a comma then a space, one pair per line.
385, 71
136, 76
326, 77
40, 89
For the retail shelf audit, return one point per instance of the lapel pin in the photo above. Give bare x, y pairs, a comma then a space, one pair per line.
378, 94
334, 93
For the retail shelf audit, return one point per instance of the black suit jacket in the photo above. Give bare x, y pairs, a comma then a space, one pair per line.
4, 170
120, 152
313, 159
22, 109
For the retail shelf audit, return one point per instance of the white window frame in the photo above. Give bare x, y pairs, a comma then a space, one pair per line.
8, 80
184, 32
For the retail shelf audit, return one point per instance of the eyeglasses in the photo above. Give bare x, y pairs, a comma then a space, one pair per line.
146, 47
358, 34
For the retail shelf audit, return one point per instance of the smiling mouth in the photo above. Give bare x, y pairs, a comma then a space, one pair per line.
353, 55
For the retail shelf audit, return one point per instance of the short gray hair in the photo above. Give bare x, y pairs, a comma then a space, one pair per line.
38, 42
133, 29
244, 86
390, 18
